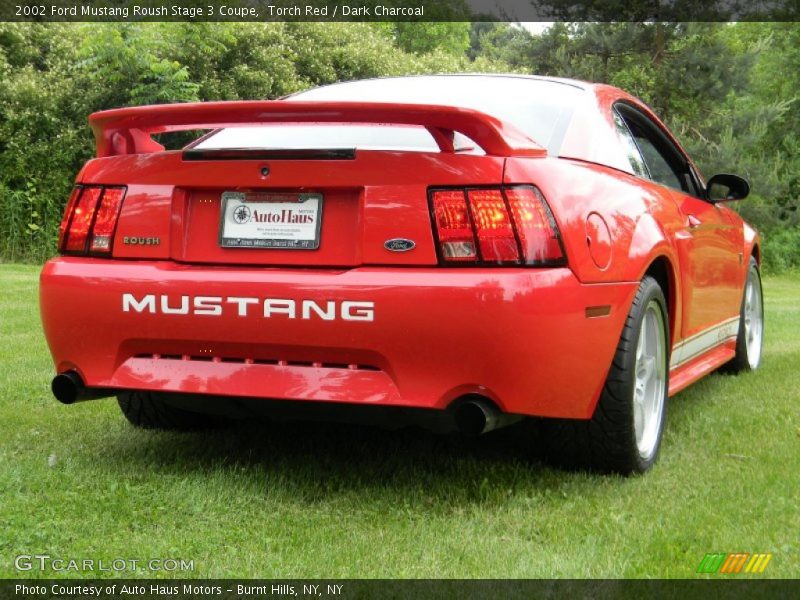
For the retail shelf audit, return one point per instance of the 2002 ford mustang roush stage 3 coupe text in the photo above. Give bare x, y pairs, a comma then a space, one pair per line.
467, 250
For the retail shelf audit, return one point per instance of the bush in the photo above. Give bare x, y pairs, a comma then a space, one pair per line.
781, 251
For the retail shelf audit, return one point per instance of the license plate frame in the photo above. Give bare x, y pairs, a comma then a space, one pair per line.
270, 220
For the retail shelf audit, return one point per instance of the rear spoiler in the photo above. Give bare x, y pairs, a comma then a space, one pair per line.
129, 130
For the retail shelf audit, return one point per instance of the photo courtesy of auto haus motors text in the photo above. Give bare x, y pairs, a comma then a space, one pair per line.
398, 299
172, 590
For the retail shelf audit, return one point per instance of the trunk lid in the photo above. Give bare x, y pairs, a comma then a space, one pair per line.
173, 208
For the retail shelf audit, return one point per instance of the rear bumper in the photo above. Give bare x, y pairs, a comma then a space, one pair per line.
518, 336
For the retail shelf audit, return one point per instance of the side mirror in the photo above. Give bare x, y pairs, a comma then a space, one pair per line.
726, 187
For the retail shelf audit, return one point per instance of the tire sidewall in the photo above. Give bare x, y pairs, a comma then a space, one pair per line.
753, 274
650, 291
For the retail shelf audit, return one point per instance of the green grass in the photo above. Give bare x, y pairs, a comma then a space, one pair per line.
344, 501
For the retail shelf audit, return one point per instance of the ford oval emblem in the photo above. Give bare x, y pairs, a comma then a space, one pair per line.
399, 245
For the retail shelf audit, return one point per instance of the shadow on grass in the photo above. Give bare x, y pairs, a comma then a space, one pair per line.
313, 461
320, 462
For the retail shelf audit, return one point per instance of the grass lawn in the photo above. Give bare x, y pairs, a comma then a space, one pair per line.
342, 501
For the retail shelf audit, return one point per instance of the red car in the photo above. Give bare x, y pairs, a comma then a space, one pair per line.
463, 251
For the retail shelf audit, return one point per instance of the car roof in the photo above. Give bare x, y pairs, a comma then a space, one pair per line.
576, 83
588, 135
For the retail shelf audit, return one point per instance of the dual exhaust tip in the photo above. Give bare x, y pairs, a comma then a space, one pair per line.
473, 415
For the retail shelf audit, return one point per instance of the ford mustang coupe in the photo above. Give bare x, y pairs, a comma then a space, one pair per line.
462, 251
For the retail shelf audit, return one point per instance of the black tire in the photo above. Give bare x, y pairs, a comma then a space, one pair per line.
608, 441
748, 355
149, 410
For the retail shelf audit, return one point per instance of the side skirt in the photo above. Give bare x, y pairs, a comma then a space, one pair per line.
701, 353
689, 372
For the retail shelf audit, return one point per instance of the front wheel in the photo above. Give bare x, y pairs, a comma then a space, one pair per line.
750, 338
624, 434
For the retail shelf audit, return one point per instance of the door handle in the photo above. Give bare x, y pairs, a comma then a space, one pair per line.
694, 221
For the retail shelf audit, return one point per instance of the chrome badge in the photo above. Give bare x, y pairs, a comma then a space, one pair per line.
141, 241
399, 245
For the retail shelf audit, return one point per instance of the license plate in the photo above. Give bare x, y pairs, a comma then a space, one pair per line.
266, 220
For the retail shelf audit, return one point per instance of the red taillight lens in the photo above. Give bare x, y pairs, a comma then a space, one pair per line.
502, 225
73, 198
535, 225
105, 222
493, 226
81, 221
90, 220
454, 226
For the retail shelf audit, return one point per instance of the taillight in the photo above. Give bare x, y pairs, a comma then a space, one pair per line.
91, 219
454, 226
73, 198
496, 238
81, 219
509, 225
536, 227
105, 221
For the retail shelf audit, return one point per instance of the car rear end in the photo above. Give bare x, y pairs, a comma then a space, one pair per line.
381, 276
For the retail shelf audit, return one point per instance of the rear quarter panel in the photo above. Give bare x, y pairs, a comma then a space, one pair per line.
642, 219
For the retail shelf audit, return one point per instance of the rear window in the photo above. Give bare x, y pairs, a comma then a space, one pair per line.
322, 136
542, 109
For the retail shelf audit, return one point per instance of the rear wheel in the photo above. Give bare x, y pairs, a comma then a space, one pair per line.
624, 434
750, 339
150, 410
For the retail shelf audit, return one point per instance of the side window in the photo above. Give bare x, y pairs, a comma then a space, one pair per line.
663, 162
631, 149
660, 170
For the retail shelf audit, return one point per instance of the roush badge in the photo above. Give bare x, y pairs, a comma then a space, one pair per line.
399, 245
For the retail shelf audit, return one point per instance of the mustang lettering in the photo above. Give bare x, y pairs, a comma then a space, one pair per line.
346, 310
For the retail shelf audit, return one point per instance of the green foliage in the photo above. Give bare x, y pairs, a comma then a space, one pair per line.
126, 64
780, 249
426, 37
